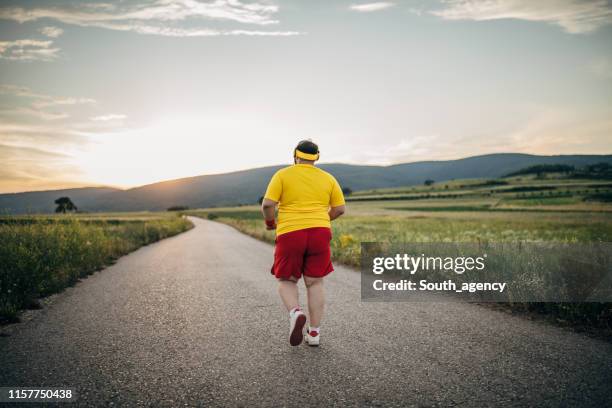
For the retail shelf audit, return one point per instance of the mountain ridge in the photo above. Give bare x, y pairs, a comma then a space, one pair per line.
246, 186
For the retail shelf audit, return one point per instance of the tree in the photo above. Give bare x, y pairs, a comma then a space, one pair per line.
65, 204
599, 167
540, 169
428, 182
178, 208
347, 191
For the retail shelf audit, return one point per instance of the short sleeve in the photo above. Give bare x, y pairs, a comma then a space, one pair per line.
275, 188
337, 198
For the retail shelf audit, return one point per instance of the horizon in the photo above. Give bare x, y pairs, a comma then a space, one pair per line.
129, 93
289, 164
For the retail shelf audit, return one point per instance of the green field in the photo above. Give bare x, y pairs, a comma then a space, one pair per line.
394, 222
474, 217
525, 193
41, 255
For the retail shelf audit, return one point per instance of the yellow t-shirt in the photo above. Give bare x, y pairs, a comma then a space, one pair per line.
304, 193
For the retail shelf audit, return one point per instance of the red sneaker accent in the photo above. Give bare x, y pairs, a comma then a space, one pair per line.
313, 333
296, 336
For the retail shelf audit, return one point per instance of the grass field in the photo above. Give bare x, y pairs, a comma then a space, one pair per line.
433, 221
470, 218
551, 192
41, 255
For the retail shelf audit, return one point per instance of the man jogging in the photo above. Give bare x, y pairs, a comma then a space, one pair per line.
308, 199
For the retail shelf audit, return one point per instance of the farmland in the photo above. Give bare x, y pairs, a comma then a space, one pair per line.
525, 193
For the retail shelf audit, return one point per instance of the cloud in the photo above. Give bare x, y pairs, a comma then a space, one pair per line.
39, 156
368, 7
40, 114
54, 101
19, 91
28, 168
28, 50
546, 131
574, 16
38, 102
414, 148
157, 17
262, 33
562, 131
8, 150
109, 117
52, 32
47, 135
195, 32
42, 153
42, 100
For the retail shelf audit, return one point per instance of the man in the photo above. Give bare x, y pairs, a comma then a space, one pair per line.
308, 199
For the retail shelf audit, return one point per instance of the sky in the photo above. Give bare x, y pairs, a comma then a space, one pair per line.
132, 92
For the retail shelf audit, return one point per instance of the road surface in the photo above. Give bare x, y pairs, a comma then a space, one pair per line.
195, 320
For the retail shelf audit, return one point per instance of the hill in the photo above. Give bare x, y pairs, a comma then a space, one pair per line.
43, 201
245, 187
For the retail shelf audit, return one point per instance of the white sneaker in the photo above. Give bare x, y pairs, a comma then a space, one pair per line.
297, 322
312, 340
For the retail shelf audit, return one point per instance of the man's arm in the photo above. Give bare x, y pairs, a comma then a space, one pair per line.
335, 212
336, 201
267, 209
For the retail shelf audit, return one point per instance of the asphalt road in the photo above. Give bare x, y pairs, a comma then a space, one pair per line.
195, 320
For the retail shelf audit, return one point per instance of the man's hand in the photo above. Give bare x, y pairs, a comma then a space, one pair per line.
336, 212
267, 209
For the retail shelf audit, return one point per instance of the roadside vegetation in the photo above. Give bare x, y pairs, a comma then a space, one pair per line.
42, 255
529, 208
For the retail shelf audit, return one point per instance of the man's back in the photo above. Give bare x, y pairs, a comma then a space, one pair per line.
304, 193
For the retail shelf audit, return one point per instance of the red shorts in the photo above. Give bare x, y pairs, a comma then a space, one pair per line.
303, 251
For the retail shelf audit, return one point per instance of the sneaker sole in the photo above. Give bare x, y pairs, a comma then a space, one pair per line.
296, 337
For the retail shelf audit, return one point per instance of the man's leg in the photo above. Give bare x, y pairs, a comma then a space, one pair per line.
288, 291
316, 299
